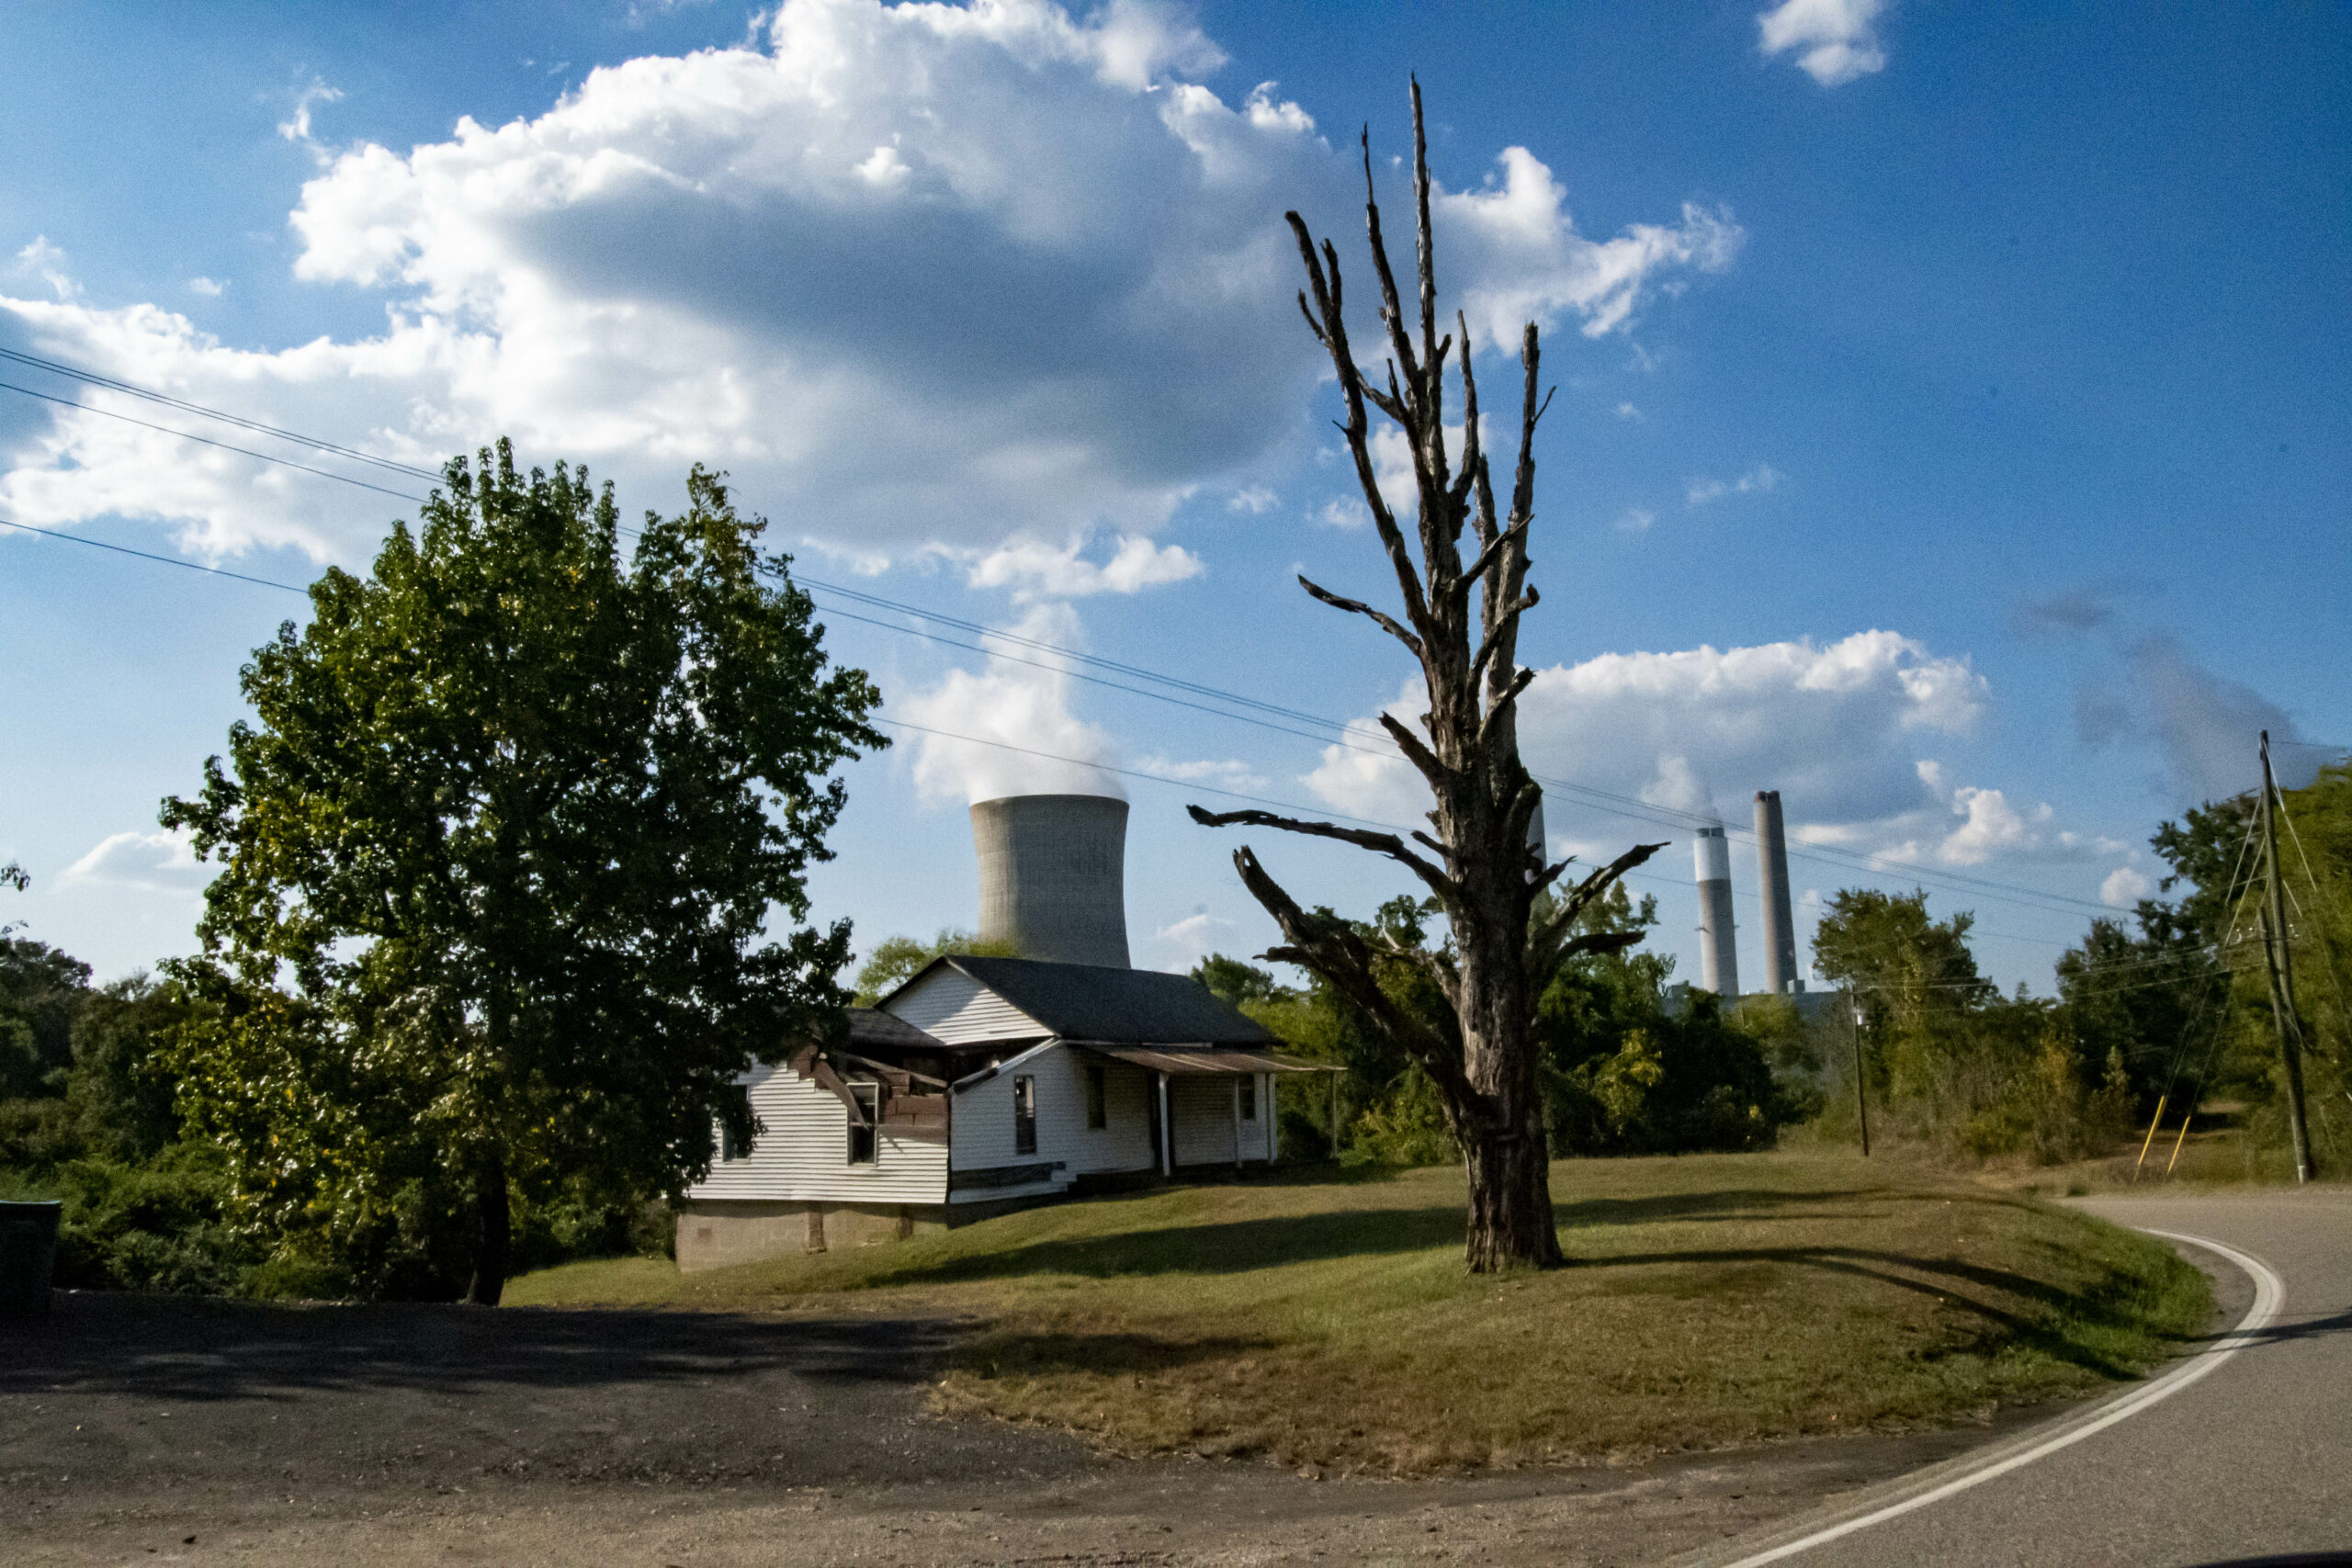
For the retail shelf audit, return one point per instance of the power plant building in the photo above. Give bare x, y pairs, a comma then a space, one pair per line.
1053, 883
1718, 938
1781, 977
1718, 950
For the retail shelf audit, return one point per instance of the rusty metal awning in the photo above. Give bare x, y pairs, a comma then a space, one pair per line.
1203, 1058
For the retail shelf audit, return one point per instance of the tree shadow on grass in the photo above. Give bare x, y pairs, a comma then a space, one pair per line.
1231, 1246
2095, 1309
181, 1348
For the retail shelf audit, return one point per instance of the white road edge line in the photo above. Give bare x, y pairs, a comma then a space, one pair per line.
2270, 1294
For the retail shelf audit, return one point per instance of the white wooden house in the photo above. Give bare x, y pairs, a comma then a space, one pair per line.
983, 1084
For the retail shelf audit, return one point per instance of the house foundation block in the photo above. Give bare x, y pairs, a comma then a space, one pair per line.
714, 1233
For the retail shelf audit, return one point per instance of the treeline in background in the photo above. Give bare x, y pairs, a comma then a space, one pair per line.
2171, 1004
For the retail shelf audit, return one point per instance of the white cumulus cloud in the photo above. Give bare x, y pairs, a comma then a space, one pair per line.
1008, 728
46, 262
1035, 570
295, 127
150, 861
2125, 886
1991, 825
1835, 727
1760, 479
1836, 40
1343, 511
1526, 262
922, 278
1194, 938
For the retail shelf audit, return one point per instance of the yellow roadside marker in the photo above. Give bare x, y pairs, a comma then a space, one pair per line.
2151, 1138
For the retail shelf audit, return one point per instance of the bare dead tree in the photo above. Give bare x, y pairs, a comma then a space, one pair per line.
1479, 865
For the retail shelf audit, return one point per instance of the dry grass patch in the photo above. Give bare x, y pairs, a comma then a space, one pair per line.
1715, 1300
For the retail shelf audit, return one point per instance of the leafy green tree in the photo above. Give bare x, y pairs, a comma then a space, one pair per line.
1236, 981
501, 855
2150, 1000
1622, 1074
898, 959
1915, 977
2217, 867
122, 1091
41, 991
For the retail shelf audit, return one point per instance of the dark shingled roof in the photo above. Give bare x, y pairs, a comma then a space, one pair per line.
869, 1027
1089, 1001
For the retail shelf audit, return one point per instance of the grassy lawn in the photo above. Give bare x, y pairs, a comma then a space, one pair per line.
1328, 1323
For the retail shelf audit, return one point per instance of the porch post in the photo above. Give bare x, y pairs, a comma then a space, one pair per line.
1273, 1122
1167, 1135
1236, 1120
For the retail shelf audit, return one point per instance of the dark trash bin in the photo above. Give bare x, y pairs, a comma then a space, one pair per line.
28, 1257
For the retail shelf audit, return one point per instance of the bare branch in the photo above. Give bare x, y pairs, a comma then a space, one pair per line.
1388, 844
1503, 628
1499, 712
1312, 324
1548, 945
1416, 750
1334, 950
1486, 557
1432, 965
1426, 253
1323, 279
1392, 312
1357, 607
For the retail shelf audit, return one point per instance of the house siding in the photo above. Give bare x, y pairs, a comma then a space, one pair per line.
803, 1153
1201, 1108
983, 1118
950, 1005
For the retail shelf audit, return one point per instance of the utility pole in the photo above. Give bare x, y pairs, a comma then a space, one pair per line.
2280, 961
1861, 1101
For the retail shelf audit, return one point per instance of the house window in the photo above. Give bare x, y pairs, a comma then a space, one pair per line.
1024, 1116
864, 1140
732, 1147
1246, 1087
1098, 1098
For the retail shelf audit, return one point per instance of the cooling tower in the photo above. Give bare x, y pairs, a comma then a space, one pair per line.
1773, 880
1718, 952
1052, 879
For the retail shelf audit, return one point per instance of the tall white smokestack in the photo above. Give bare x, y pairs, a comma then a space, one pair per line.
1780, 976
1718, 951
1053, 876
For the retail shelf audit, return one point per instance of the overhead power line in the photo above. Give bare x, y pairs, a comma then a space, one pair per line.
131, 389
1342, 732
1595, 798
207, 440
150, 555
968, 739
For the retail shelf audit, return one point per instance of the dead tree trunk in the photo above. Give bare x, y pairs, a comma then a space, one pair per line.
1479, 865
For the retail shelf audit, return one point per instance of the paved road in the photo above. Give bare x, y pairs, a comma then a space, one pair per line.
2253, 1460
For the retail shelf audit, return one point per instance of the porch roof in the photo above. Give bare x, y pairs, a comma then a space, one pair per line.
1201, 1058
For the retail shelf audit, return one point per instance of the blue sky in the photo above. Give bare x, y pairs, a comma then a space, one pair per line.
1951, 429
